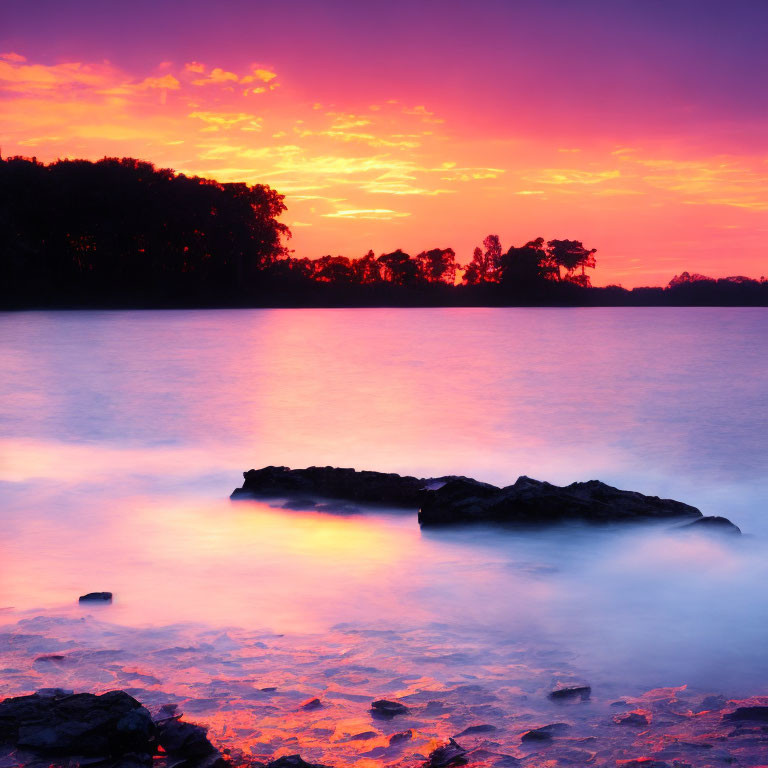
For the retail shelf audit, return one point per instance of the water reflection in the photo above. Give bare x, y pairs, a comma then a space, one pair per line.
123, 434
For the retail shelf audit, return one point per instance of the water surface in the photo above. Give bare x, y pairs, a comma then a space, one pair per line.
123, 433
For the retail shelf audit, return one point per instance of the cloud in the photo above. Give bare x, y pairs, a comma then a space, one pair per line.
166, 81
366, 213
261, 75
217, 76
217, 120
567, 176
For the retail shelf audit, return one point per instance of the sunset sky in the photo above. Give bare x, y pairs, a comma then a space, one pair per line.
637, 126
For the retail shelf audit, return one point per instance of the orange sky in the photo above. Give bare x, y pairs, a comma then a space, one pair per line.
401, 162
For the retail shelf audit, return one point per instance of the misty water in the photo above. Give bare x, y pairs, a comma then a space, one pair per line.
122, 435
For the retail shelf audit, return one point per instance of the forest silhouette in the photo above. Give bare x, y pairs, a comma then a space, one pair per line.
121, 233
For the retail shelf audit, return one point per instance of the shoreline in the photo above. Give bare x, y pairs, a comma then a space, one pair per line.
312, 696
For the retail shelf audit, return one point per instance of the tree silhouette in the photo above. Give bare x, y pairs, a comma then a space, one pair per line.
572, 255
485, 265
366, 269
399, 268
528, 265
333, 269
438, 265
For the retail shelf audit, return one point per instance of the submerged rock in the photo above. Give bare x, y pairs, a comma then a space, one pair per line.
293, 761
568, 691
387, 709
363, 736
96, 597
483, 728
448, 754
713, 524
717, 701
545, 733
453, 500
631, 718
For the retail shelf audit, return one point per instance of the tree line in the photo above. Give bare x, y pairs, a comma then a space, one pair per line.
527, 265
121, 232
120, 227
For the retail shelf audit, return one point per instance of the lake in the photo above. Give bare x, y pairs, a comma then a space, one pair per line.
122, 435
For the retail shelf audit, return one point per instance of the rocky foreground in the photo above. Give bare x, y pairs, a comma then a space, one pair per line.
57, 728
456, 500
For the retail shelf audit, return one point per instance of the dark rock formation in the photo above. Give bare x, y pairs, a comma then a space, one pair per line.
545, 733
96, 597
399, 738
532, 502
712, 524
55, 722
82, 724
387, 709
333, 483
448, 754
759, 714
460, 500
311, 704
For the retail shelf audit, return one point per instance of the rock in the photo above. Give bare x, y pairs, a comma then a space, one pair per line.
311, 704
712, 524
484, 728
334, 483
644, 762
448, 754
96, 597
545, 733
566, 691
82, 724
184, 739
758, 714
292, 761
532, 502
364, 736
387, 709
93, 728
399, 738
453, 500
631, 718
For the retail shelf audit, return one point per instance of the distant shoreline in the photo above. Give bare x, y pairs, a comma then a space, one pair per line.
156, 306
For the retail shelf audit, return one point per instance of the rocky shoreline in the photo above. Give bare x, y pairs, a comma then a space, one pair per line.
457, 500
57, 728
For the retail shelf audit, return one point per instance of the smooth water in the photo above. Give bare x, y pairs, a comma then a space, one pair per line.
123, 433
